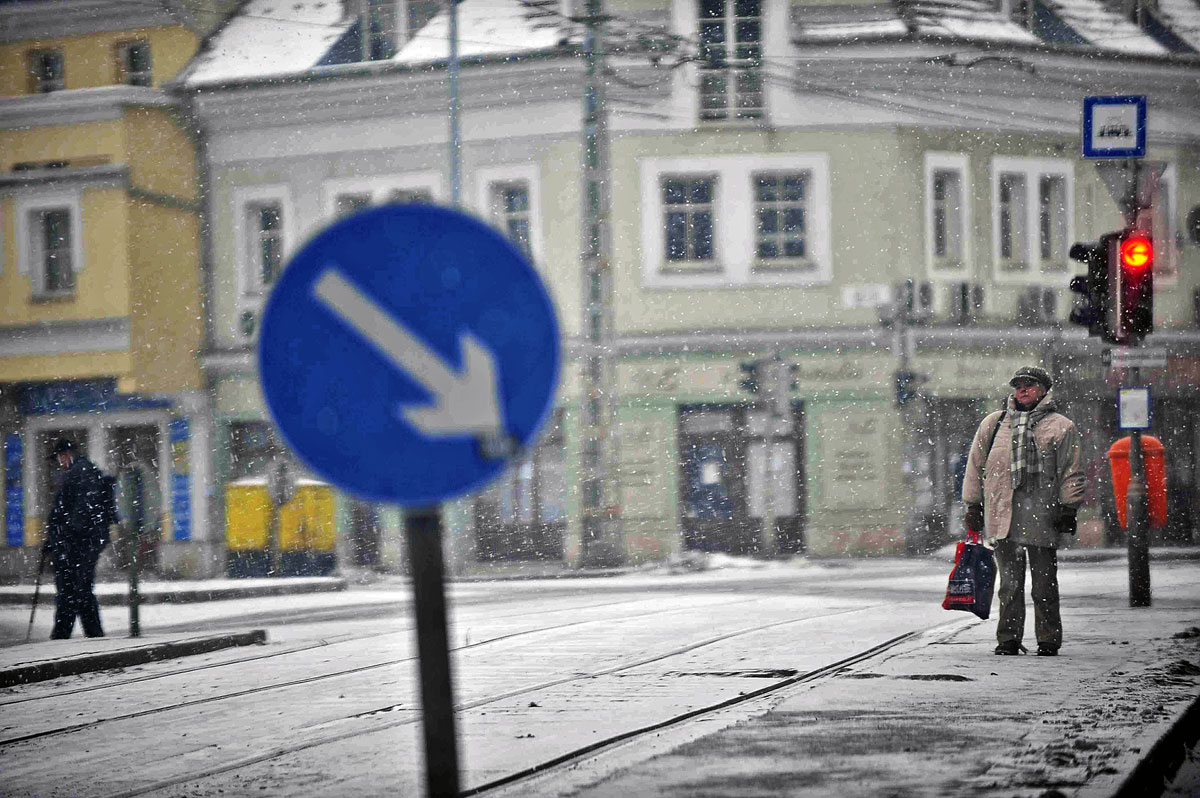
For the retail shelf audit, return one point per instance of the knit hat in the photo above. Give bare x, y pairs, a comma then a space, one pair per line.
1038, 375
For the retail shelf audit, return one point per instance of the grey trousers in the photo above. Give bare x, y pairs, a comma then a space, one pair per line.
1043, 567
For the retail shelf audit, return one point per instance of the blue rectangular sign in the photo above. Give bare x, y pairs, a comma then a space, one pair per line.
14, 494
181, 505
1114, 127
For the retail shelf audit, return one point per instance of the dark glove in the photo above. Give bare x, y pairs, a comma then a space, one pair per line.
1064, 521
974, 517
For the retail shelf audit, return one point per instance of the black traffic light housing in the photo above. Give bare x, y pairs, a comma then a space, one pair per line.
750, 381
1131, 277
1091, 304
908, 385
1116, 296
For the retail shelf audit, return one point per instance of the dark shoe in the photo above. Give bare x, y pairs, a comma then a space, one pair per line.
1046, 651
1009, 648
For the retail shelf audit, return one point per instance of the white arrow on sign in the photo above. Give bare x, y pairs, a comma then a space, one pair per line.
464, 402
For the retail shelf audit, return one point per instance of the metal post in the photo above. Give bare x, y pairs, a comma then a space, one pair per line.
423, 529
455, 130
601, 502
1137, 513
776, 389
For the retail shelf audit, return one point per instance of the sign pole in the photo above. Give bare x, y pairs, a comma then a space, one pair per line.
1138, 512
423, 529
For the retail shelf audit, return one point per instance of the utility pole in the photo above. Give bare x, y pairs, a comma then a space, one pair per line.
777, 402
601, 505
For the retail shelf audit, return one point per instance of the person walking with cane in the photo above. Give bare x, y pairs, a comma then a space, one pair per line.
77, 531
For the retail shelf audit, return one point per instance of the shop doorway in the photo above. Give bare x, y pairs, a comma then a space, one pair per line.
723, 479
134, 454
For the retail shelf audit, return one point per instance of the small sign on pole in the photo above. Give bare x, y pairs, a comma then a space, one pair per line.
1114, 127
1135, 358
1133, 405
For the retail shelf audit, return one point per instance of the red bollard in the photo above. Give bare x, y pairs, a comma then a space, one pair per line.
1154, 456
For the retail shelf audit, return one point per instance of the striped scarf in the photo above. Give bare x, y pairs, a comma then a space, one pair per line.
1025, 460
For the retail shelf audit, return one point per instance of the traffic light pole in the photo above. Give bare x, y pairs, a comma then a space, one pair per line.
777, 395
1137, 513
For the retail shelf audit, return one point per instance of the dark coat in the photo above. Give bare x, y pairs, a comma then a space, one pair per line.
77, 522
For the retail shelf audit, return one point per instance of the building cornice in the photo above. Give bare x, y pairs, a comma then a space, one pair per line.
55, 19
389, 94
46, 339
76, 106
104, 175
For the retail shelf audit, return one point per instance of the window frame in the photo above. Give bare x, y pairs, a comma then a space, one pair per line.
27, 250
1168, 253
735, 221
125, 75
527, 173
38, 84
686, 264
1036, 269
938, 267
378, 187
250, 290
783, 263
732, 67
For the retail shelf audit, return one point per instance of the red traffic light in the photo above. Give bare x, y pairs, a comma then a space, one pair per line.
1137, 253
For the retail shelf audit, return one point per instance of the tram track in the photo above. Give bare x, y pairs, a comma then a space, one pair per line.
531, 691
324, 642
6, 741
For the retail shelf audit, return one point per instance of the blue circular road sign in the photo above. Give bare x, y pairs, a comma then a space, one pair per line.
407, 352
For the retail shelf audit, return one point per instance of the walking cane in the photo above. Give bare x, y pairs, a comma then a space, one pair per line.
37, 588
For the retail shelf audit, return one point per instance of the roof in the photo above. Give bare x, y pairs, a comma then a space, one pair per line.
267, 39
272, 38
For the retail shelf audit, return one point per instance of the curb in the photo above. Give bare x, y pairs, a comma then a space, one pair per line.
1155, 770
154, 596
87, 663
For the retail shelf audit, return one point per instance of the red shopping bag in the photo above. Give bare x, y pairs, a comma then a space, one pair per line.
973, 577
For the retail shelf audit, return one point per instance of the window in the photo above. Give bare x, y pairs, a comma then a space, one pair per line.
52, 250
510, 212
523, 514
381, 35
1168, 241
1052, 222
51, 243
346, 196
735, 220
350, 204
688, 216
46, 71
731, 79
946, 214
264, 228
135, 69
781, 210
264, 221
1033, 223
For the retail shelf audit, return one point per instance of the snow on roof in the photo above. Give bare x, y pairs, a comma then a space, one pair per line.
1183, 18
270, 37
964, 19
485, 27
863, 21
1104, 29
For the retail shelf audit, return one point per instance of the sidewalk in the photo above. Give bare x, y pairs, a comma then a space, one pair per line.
1112, 715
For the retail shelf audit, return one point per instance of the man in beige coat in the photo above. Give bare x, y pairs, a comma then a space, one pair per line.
1022, 489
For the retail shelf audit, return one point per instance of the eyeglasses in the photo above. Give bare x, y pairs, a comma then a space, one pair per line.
1019, 384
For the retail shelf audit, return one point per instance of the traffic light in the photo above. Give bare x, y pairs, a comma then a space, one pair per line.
750, 382
907, 385
1131, 275
1091, 306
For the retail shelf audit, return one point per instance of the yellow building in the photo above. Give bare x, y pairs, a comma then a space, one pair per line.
101, 321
